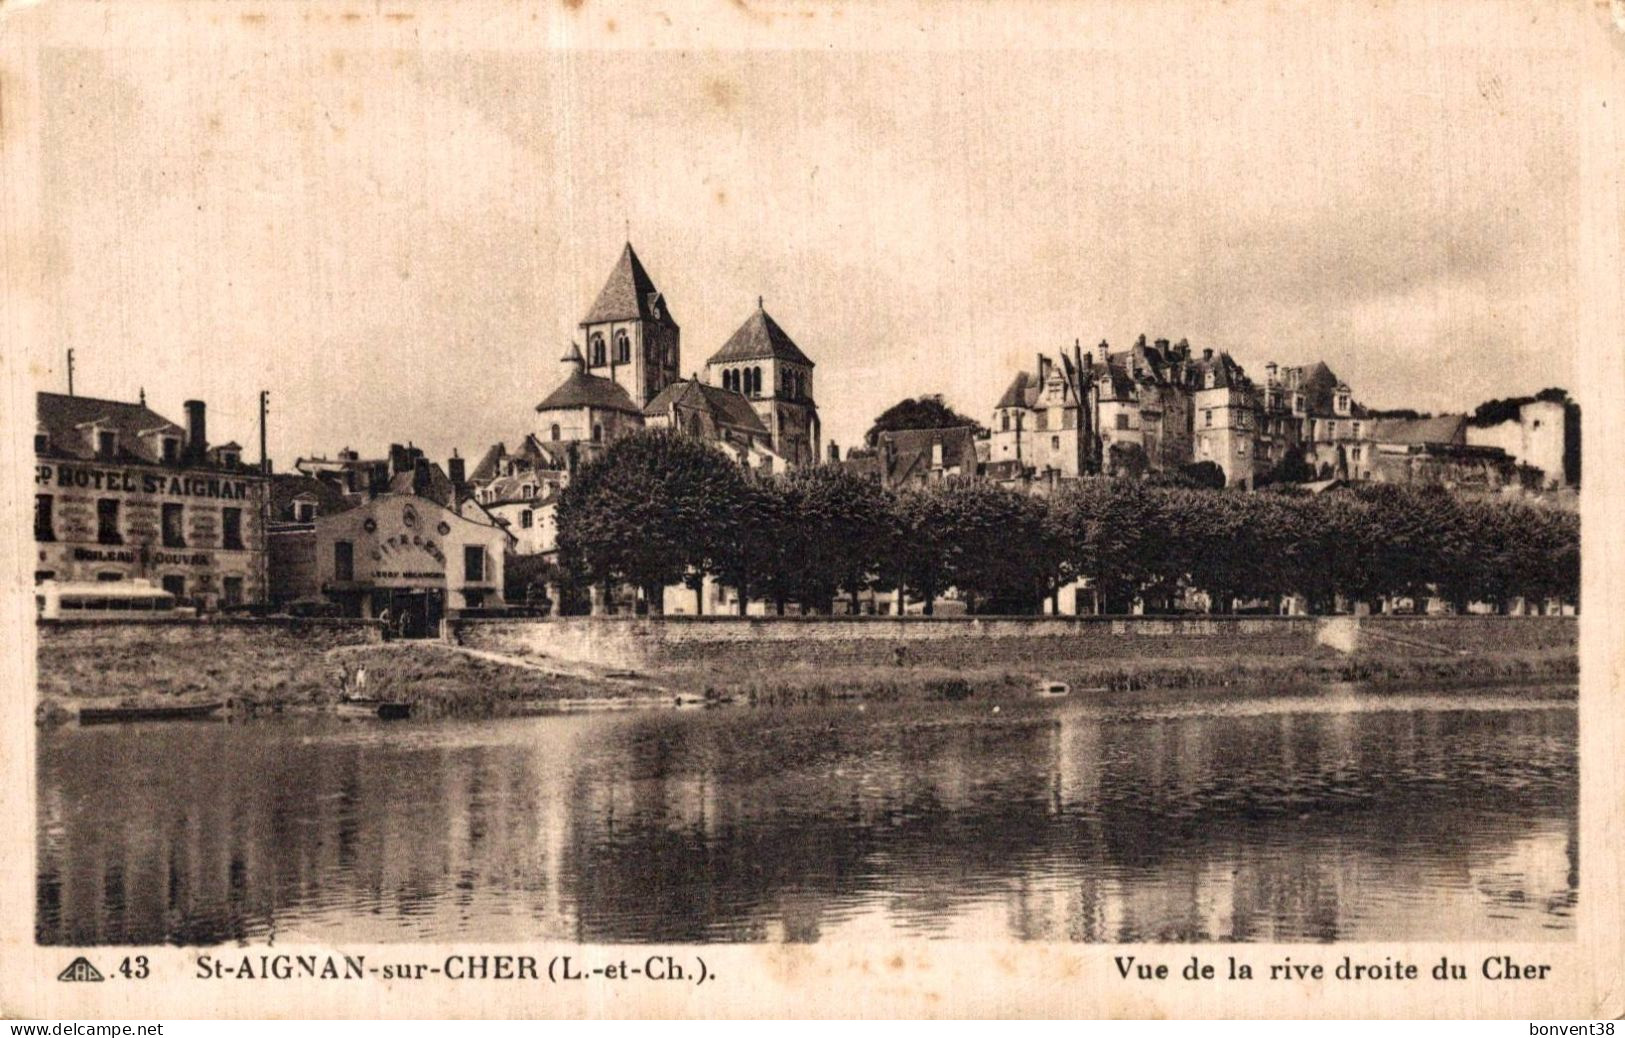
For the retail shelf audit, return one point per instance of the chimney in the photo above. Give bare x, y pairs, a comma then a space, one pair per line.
1207, 353
455, 470
1043, 368
197, 434
1269, 371
1101, 351
1162, 344
834, 452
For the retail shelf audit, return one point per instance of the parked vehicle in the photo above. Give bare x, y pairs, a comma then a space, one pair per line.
106, 600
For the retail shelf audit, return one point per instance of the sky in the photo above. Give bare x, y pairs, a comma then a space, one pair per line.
395, 225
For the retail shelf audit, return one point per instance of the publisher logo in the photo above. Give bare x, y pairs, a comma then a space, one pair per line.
80, 969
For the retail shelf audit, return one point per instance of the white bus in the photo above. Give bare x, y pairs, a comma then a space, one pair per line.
105, 600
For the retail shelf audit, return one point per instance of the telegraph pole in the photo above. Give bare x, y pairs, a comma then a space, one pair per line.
265, 406
70, 372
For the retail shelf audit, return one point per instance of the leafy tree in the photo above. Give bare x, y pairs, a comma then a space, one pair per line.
648, 512
925, 412
844, 519
1002, 556
922, 549
755, 542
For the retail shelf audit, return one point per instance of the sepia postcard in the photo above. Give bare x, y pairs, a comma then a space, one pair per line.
812, 508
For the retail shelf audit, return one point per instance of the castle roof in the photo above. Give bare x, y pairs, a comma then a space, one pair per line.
1446, 428
760, 338
723, 405
629, 295
584, 390
1022, 392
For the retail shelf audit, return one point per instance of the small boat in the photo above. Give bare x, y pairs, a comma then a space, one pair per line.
1054, 689
381, 709
121, 714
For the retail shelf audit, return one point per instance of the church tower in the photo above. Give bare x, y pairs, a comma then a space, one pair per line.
629, 335
763, 364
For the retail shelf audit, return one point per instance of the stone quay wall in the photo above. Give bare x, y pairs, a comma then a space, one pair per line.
764, 643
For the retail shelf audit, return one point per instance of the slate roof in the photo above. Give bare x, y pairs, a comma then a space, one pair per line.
65, 419
906, 453
434, 484
1023, 392
1444, 429
760, 338
584, 390
723, 405
629, 295
285, 487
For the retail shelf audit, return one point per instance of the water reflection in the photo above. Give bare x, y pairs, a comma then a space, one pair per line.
1338, 816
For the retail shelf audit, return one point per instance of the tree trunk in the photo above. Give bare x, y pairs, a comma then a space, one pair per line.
654, 599
699, 600
855, 603
778, 605
930, 604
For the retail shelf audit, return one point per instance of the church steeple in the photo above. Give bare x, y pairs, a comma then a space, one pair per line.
630, 334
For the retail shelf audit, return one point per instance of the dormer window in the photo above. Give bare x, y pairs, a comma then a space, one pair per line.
42, 441
1208, 379
304, 510
106, 444
229, 459
171, 449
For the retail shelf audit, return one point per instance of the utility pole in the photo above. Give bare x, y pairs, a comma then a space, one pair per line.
70, 372
265, 407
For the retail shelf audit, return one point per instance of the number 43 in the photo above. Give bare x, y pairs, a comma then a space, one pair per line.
134, 967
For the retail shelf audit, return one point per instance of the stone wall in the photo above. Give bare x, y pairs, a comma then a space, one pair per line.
760, 644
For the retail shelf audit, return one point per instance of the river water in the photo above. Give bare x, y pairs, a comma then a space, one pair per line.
1332, 815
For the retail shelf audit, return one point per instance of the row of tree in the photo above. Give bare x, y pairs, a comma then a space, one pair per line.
658, 509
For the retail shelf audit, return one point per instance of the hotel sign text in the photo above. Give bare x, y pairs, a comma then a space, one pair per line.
133, 482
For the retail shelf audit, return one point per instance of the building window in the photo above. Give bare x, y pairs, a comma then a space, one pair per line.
174, 516
1207, 380
231, 591
526, 519
44, 525
1331, 430
1004, 421
1354, 452
595, 351
229, 459
1356, 430
1054, 443
231, 527
598, 434
555, 432
41, 441
172, 449
694, 426
1122, 420
175, 585
474, 562
1207, 418
343, 561
304, 511
1042, 425
1241, 449
107, 524
106, 445
623, 348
